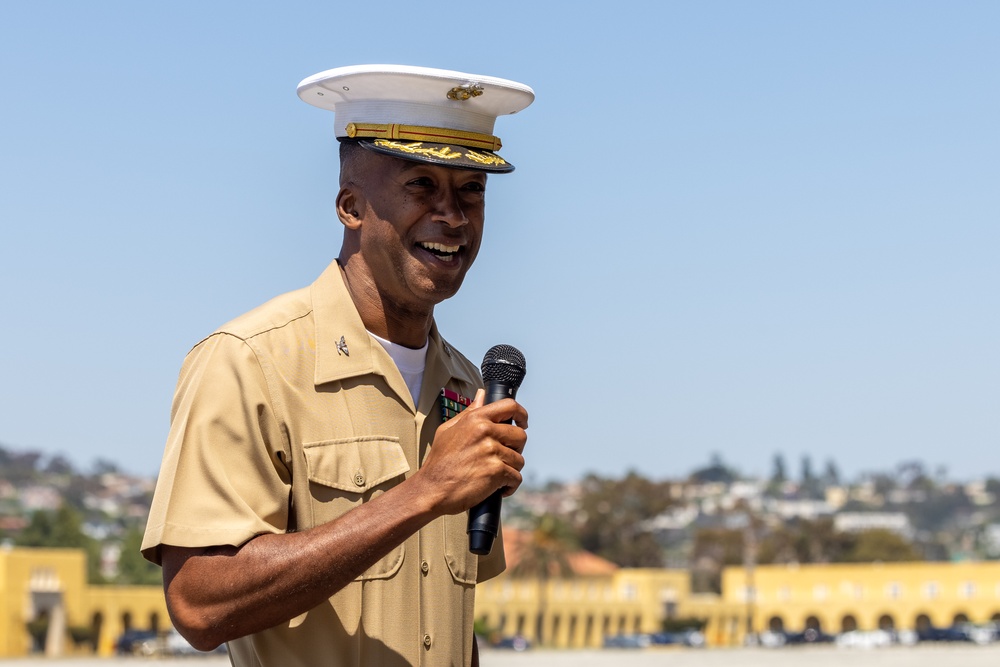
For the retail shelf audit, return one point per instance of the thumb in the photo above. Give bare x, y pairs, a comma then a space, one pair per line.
480, 399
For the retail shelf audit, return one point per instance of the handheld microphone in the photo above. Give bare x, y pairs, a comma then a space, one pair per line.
503, 370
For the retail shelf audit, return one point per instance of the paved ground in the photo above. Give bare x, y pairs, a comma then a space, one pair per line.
923, 656
918, 656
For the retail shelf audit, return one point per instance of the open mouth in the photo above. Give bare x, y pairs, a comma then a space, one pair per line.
440, 250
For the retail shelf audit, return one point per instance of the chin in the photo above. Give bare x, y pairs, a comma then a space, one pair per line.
440, 292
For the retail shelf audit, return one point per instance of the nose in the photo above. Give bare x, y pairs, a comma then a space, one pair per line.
449, 208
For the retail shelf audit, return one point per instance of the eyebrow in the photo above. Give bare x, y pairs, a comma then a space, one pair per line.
410, 165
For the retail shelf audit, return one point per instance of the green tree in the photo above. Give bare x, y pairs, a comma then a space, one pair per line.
831, 475
880, 545
62, 528
58, 465
715, 471
19, 467
804, 541
614, 515
712, 550
779, 475
132, 567
810, 487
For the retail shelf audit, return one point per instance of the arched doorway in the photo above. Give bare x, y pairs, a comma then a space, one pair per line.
960, 618
848, 623
886, 622
776, 624
812, 623
923, 623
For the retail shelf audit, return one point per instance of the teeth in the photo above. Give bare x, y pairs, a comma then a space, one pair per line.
441, 248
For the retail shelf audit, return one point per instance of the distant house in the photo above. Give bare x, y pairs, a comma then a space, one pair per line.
856, 522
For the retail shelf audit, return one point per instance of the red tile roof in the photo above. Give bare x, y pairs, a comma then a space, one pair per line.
582, 563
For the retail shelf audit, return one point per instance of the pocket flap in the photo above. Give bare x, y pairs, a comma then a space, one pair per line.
355, 464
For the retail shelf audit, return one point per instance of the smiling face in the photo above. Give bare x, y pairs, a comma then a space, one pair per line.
413, 230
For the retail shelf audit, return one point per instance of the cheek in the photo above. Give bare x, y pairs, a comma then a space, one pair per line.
473, 249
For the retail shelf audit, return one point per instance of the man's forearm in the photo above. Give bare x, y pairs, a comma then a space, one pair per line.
220, 593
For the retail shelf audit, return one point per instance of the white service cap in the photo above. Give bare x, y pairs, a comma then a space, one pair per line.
419, 113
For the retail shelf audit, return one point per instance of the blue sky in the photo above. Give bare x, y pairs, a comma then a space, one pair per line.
735, 228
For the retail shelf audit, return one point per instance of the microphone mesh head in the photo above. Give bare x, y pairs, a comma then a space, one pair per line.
504, 363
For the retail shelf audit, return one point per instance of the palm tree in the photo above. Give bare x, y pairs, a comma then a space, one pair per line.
543, 555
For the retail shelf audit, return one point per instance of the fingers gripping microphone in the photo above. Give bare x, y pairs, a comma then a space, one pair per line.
503, 370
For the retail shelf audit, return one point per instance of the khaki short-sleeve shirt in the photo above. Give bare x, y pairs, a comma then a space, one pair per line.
289, 417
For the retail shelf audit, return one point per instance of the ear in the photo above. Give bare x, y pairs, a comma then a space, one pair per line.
349, 205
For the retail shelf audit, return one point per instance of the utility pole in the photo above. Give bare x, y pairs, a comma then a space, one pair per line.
749, 564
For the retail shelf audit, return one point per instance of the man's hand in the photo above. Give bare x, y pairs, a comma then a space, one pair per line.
474, 454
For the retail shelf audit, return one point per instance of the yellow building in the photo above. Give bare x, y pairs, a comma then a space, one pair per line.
580, 611
45, 601
46, 590
866, 596
598, 600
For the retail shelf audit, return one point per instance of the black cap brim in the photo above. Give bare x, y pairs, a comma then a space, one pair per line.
446, 155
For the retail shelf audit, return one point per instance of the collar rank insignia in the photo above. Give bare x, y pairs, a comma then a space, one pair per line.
342, 347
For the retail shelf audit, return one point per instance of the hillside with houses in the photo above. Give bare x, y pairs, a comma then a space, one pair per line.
710, 518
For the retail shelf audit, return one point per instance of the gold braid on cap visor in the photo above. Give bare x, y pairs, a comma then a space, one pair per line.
437, 135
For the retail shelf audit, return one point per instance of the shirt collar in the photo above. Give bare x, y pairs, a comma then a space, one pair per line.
344, 349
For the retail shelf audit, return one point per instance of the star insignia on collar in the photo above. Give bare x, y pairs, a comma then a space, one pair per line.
342, 347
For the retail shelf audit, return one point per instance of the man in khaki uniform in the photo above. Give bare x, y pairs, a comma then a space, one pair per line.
312, 504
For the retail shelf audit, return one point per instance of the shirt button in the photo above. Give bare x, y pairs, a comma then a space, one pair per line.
427, 641
359, 479
424, 566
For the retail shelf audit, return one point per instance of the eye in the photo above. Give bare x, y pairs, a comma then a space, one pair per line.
474, 186
421, 182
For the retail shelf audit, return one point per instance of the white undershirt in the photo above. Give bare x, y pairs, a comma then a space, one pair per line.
410, 363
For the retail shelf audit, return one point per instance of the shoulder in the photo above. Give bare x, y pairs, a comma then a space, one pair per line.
274, 325
271, 316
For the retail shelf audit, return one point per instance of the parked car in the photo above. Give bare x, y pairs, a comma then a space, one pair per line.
983, 634
171, 643
986, 633
130, 642
865, 639
808, 636
771, 639
516, 643
955, 633
627, 641
691, 638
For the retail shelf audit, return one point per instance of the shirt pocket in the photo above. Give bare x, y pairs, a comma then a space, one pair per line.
347, 472
462, 563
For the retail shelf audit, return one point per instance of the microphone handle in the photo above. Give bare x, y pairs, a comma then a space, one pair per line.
484, 518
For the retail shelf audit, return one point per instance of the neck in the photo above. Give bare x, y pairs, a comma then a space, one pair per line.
392, 321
